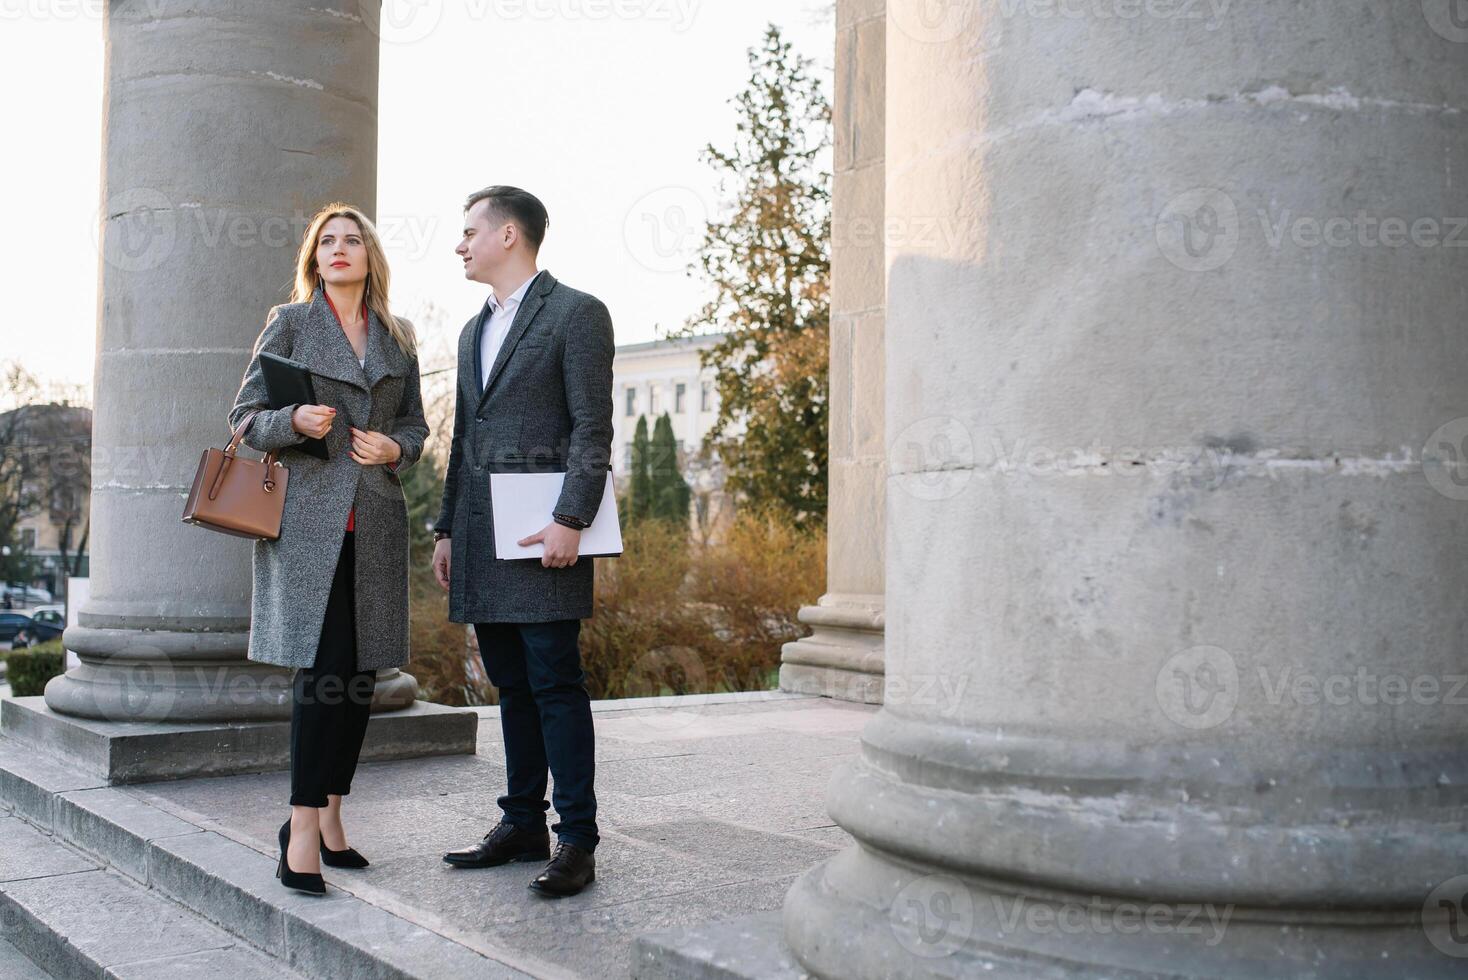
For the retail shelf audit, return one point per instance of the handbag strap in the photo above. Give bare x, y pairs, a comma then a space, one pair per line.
268, 483
238, 434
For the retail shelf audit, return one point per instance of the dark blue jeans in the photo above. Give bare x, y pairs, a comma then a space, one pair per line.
545, 713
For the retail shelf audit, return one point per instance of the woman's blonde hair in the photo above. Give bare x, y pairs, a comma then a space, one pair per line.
308, 276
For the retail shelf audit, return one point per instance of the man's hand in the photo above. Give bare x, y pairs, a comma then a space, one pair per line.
561, 544
442, 548
372, 448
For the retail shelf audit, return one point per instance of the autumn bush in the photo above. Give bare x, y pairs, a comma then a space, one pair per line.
672, 616
677, 617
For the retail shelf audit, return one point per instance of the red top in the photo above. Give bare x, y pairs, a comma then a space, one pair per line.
351, 514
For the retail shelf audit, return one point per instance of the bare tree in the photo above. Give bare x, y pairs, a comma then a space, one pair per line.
45, 465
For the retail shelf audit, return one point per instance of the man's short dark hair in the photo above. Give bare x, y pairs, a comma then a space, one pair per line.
513, 204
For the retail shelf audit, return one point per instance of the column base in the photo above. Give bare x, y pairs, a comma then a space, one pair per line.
1007, 855
843, 657
868, 915
141, 675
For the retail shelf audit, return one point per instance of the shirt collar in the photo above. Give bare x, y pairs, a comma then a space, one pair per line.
515, 297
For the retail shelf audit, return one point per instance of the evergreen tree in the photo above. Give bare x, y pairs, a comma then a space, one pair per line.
671, 493
768, 260
422, 490
641, 493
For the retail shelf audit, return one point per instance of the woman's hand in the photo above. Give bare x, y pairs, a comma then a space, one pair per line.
313, 420
373, 448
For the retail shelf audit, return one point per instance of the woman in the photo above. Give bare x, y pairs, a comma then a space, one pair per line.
331, 593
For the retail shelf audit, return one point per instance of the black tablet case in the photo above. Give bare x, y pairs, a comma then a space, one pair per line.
288, 382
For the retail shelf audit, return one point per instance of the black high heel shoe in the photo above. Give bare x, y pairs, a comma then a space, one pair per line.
348, 858
301, 881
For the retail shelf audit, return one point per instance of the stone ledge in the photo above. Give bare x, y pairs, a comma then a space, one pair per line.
120, 752
832, 682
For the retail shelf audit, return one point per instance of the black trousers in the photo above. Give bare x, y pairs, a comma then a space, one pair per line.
545, 713
330, 700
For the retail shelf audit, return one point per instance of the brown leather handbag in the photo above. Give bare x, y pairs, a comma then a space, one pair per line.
243, 497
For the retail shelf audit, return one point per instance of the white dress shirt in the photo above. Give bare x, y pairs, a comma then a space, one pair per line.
497, 327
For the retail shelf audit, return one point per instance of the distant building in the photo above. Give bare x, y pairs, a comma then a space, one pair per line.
660, 376
56, 441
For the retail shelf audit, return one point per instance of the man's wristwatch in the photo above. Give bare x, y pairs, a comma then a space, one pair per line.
439, 536
566, 520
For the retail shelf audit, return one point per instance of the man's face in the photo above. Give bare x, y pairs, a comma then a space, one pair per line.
487, 241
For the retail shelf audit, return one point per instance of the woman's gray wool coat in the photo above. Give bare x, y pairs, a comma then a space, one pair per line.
292, 575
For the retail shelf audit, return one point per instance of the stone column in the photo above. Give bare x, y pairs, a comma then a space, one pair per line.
1177, 594
226, 126
842, 658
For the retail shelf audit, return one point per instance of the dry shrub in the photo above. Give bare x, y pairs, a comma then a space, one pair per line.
676, 617
442, 660
672, 616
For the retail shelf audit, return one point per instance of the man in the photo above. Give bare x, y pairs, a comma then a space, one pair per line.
535, 384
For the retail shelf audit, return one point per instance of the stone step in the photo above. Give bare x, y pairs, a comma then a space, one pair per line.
15, 965
750, 947
72, 917
227, 882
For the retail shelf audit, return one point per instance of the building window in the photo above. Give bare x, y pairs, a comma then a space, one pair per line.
631, 402
652, 400
679, 401
28, 538
627, 457
705, 397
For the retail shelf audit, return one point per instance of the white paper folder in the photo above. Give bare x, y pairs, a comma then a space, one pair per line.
525, 502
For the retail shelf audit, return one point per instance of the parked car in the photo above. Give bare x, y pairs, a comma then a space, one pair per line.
46, 623
11, 623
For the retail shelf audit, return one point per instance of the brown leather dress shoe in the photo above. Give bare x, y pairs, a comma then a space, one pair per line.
503, 844
571, 869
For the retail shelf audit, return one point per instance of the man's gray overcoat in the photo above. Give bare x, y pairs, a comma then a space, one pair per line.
292, 575
549, 395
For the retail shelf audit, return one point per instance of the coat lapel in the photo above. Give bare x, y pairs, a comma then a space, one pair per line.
331, 353
529, 306
471, 373
384, 357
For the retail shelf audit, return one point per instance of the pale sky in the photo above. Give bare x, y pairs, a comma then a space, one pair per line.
599, 107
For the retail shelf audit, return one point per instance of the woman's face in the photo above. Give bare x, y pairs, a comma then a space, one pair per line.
341, 255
